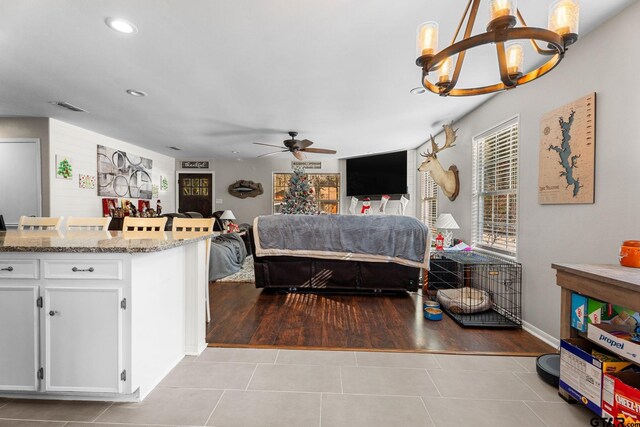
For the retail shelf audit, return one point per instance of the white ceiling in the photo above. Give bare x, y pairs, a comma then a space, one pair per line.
222, 74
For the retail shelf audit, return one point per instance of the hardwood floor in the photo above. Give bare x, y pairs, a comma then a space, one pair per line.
243, 316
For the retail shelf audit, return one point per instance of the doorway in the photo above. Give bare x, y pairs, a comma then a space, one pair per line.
195, 193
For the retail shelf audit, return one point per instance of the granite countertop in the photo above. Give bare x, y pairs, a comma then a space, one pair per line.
92, 241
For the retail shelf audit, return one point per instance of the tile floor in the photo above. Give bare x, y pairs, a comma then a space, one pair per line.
256, 388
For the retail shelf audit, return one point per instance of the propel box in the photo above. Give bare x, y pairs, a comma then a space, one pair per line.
581, 373
621, 398
617, 339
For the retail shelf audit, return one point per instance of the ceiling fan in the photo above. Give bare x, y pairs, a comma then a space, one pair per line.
296, 147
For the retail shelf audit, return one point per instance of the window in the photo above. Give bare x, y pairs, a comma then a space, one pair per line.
326, 187
495, 189
428, 199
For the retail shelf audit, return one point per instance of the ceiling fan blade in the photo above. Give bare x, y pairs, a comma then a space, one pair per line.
268, 145
270, 154
303, 144
319, 150
298, 155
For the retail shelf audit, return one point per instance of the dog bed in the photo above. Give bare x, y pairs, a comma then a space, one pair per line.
464, 300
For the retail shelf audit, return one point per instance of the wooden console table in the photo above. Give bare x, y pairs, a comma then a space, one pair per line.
607, 282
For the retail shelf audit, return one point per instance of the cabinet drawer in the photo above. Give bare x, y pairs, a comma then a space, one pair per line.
19, 269
109, 269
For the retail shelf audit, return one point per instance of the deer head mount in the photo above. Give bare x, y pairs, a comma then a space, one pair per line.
447, 180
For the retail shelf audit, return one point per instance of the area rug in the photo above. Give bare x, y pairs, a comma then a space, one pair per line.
244, 275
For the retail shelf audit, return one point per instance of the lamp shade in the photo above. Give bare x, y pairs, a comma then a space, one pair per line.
229, 215
446, 222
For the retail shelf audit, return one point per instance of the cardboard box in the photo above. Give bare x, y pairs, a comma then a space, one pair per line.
621, 398
624, 316
598, 311
602, 312
579, 312
616, 339
581, 373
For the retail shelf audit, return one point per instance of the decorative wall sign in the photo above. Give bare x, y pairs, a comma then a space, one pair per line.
567, 153
244, 189
164, 183
87, 181
154, 191
123, 174
306, 165
64, 168
195, 165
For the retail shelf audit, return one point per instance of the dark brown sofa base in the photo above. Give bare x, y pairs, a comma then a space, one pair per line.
313, 274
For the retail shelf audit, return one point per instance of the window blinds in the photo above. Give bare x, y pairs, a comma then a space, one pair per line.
495, 189
428, 199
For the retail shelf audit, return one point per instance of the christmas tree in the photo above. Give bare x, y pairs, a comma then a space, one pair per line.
300, 198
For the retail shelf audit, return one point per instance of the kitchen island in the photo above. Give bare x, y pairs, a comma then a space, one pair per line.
97, 315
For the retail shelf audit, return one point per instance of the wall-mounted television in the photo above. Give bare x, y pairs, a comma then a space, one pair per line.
377, 175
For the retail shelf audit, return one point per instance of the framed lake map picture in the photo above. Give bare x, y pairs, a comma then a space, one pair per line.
567, 153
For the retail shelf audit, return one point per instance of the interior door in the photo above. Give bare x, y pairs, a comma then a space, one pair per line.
19, 337
195, 193
83, 339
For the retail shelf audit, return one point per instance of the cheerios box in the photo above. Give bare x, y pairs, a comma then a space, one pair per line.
621, 398
581, 372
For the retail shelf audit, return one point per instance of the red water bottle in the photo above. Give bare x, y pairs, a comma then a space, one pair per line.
439, 242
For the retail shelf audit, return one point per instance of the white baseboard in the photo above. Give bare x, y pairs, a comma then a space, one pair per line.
539, 333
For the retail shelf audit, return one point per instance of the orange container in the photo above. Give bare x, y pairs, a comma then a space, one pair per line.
630, 253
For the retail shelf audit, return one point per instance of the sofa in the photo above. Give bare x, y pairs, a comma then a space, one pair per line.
296, 271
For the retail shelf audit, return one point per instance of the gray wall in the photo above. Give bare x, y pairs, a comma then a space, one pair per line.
606, 62
32, 127
228, 171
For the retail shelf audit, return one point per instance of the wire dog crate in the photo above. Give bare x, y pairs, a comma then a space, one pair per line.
477, 289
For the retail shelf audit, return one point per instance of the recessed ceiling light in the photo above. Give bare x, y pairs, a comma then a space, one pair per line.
134, 92
235, 152
417, 91
121, 25
176, 148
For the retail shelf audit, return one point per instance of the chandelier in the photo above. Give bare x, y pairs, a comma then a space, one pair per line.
502, 31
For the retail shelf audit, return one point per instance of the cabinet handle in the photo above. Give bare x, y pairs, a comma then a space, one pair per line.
76, 269
53, 313
7, 269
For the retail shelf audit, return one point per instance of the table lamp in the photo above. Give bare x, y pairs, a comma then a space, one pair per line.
445, 222
227, 217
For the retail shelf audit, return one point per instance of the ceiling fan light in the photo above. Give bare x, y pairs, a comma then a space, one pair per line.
427, 39
564, 18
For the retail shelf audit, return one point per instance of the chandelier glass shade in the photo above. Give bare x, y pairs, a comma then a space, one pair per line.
502, 31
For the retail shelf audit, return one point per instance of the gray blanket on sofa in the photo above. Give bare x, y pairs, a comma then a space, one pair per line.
376, 238
227, 255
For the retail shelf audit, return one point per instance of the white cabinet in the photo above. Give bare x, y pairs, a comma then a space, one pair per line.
83, 339
19, 337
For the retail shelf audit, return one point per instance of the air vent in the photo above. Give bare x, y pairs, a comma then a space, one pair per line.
68, 106
176, 148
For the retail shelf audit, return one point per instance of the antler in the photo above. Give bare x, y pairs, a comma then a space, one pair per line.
450, 136
450, 139
434, 149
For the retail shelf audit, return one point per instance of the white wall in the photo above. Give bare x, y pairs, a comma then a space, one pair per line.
606, 62
228, 171
31, 127
67, 198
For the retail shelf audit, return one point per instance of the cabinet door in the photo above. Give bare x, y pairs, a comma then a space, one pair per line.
19, 337
83, 339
